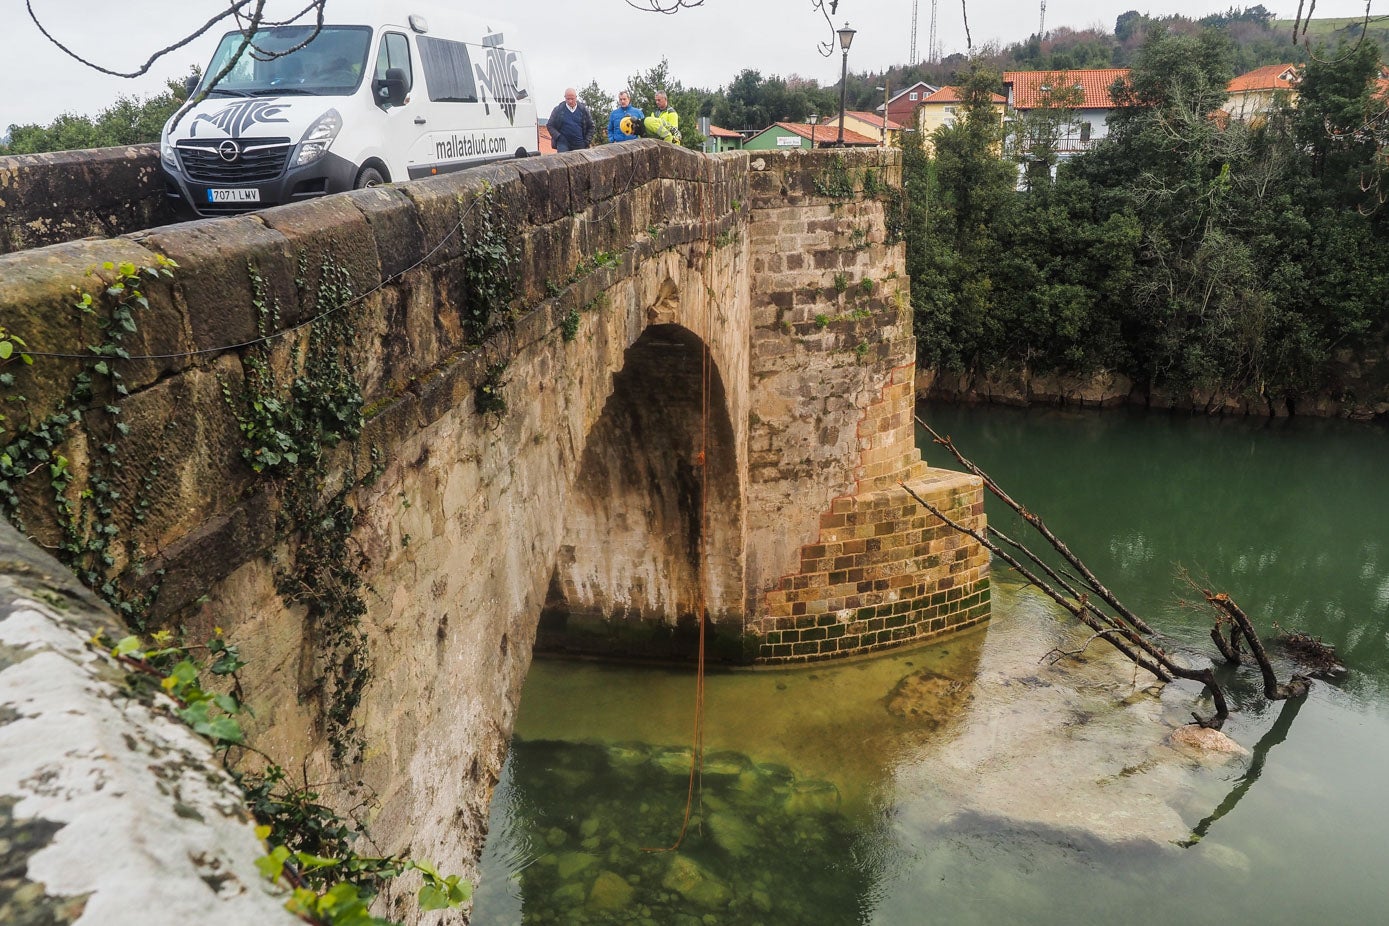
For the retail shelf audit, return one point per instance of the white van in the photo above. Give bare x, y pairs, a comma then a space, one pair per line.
377, 97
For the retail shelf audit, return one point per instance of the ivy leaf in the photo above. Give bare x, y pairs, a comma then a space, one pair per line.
431, 898
310, 862
227, 703
181, 676
273, 865
224, 730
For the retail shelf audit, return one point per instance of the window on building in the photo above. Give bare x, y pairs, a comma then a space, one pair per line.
1085, 133
912, 96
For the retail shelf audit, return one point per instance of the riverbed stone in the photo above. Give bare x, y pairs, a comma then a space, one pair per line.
1206, 741
610, 892
574, 863
694, 883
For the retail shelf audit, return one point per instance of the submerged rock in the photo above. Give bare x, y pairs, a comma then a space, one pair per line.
812, 797
572, 863
610, 892
628, 754
691, 881
928, 698
1206, 741
732, 834
675, 760
726, 763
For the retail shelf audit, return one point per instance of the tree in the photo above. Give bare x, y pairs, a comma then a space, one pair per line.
128, 121
600, 104
1037, 134
965, 187
1341, 122
687, 103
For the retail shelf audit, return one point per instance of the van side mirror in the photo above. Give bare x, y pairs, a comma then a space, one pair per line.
390, 90
190, 83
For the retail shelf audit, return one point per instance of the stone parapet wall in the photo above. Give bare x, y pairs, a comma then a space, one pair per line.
50, 198
112, 810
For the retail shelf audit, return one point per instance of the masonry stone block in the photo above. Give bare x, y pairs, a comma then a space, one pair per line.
395, 227
547, 189
213, 283
328, 230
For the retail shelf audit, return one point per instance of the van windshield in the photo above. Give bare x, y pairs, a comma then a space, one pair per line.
331, 64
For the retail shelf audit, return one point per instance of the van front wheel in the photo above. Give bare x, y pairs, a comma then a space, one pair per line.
369, 176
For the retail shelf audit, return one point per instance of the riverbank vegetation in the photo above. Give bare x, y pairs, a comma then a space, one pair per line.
1187, 251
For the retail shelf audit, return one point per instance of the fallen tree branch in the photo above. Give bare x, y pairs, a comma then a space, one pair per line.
1125, 639
1040, 526
1297, 685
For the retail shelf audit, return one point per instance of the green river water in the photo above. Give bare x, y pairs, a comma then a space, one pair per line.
974, 781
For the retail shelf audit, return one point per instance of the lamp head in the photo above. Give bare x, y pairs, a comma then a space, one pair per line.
846, 36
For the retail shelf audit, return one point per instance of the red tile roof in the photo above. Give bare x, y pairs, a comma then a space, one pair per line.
1094, 85
717, 132
818, 134
545, 146
1268, 77
952, 95
870, 118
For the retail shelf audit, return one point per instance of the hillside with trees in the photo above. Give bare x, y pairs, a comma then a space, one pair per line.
1194, 254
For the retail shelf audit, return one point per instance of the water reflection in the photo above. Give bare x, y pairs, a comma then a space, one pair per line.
1288, 516
973, 782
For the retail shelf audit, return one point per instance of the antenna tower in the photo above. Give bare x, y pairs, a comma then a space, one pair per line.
1042, 26
912, 57
933, 50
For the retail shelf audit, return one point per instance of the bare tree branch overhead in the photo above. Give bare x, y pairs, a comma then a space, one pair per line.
664, 6
247, 14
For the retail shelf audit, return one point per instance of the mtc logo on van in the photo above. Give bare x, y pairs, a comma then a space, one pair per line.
235, 119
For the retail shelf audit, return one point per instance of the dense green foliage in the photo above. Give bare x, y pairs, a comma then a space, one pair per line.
128, 121
1187, 251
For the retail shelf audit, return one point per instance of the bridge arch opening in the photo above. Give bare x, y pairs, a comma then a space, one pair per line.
653, 527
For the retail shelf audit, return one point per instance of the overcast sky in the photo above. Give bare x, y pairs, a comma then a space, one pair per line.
566, 42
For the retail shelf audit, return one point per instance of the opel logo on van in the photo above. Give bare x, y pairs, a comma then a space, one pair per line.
229, 151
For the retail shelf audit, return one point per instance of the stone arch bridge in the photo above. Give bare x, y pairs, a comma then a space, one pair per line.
693, 394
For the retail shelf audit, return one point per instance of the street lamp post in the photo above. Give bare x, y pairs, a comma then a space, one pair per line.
883, 88
846, 37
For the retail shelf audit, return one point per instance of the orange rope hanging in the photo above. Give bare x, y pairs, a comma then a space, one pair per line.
701, 602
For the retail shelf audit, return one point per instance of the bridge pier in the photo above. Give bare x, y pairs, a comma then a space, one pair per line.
843, 561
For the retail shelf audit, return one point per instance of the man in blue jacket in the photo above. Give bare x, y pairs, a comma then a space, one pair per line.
624, 109
570, 125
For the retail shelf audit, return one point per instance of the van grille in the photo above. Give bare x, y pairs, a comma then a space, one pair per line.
259, 160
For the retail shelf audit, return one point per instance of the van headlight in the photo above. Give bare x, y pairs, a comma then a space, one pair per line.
318, 138
167, 152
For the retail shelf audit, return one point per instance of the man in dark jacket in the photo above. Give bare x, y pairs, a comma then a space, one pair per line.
570, 125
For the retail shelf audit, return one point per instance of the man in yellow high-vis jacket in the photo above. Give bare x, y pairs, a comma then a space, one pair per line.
663, 123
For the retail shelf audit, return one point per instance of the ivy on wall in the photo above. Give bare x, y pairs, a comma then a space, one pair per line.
292, 410
90, 515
